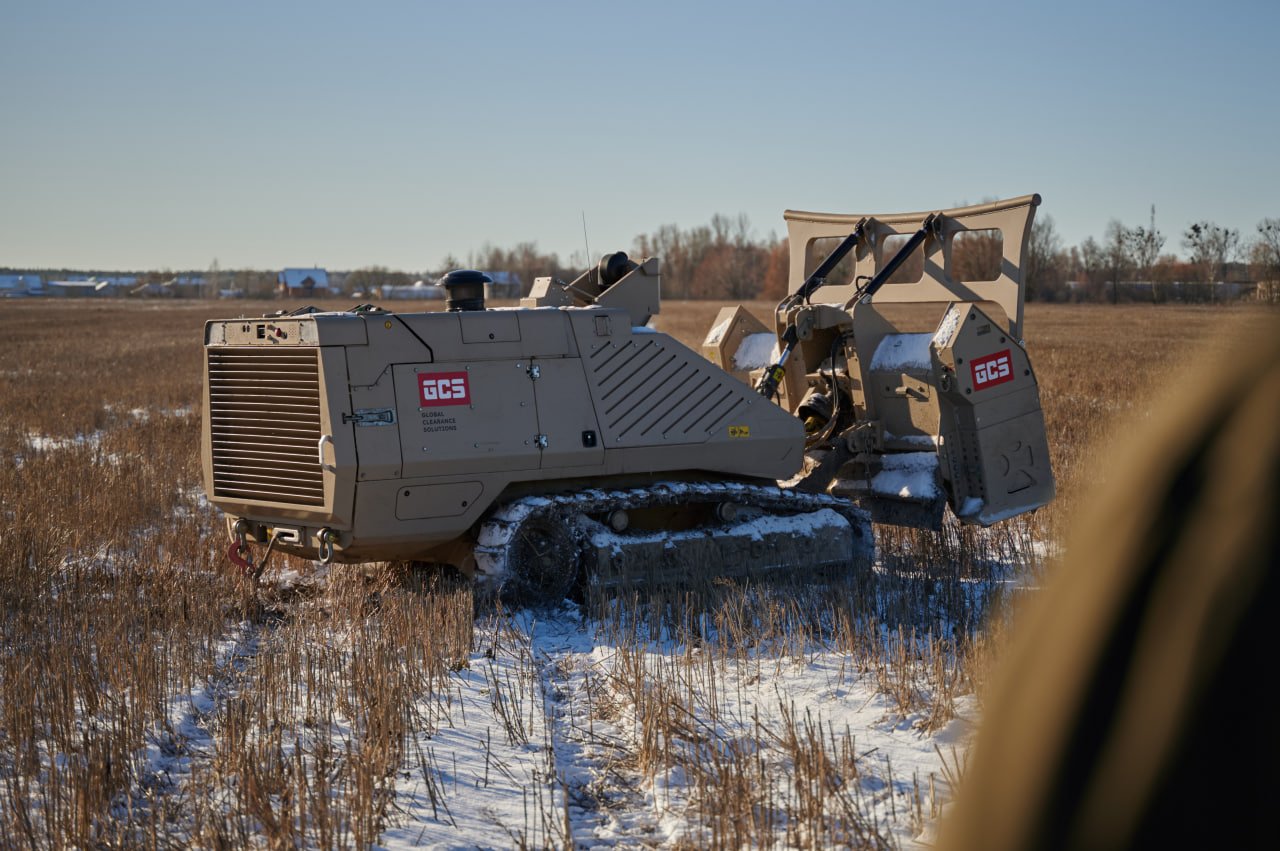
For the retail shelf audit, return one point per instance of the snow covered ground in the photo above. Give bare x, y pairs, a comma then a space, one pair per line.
822, 713
774, 717
546, 744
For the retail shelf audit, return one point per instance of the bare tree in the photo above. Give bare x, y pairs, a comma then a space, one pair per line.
370, 278
1044, 260
669, 243
976, 255
1211, 247
1265, 259
1116, 255
1144, 248
1090, 260
718, 260
213, 280
777, 270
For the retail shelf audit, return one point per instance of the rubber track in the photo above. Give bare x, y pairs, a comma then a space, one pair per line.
497, 531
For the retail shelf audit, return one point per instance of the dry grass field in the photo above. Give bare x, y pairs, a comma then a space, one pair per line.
151, 698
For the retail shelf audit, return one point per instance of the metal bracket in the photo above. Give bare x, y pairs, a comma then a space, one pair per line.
240, 533
324, 438
325, 541
371, 417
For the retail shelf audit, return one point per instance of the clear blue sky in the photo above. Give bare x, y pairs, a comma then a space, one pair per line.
269, 134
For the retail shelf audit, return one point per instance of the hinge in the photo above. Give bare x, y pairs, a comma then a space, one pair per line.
535, 372
540, 440
372, 417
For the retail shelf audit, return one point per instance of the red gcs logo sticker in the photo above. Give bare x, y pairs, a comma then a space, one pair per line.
992, 370
443, 388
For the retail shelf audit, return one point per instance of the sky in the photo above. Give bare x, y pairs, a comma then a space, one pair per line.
152, 135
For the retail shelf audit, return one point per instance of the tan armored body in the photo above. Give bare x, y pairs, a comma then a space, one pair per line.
525, 444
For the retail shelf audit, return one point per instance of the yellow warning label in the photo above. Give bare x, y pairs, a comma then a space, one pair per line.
739, 431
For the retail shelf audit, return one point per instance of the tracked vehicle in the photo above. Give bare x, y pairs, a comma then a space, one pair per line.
531, 446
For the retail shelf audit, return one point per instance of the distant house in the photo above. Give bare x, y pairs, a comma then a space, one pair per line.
120, 281
302, 283
172, 288
16, 286
188, 286
80, 289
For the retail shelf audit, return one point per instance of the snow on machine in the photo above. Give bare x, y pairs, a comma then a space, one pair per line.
533, 446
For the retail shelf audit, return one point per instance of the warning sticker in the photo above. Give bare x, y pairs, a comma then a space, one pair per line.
437, 389
992, 370
739, 431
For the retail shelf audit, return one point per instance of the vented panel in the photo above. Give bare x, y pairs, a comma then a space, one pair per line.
264, 412
648, 390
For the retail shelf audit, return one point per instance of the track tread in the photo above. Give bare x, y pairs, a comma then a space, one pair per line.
499, 528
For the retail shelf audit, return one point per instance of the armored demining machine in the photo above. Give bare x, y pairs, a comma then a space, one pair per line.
536, 446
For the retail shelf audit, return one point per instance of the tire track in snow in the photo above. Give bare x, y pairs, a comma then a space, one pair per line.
604, 802
183, 739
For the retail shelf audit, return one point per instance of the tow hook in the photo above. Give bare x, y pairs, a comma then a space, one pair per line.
326, 539
239, 551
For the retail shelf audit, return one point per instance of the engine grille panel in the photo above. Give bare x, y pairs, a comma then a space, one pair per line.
264, 415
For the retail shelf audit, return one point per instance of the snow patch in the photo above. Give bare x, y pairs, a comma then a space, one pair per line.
756, 351
907, 475
756, 528
920, 441
717, 333
41, 443
903, 351
947, 328
143, 415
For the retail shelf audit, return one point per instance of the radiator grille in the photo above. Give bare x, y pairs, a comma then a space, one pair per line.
264, 414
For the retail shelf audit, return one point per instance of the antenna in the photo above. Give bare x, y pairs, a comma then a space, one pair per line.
584, 238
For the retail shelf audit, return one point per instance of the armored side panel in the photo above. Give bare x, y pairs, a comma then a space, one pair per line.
957, 414
993, 447
395, 433
738, 342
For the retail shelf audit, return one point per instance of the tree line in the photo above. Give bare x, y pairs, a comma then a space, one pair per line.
724, 260
1129, 263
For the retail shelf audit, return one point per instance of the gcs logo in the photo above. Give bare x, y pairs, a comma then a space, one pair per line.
992, 370
443, 388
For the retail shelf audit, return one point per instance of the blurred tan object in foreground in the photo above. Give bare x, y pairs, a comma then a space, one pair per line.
1131, 710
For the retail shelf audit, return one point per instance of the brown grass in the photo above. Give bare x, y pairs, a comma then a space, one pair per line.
297, 712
